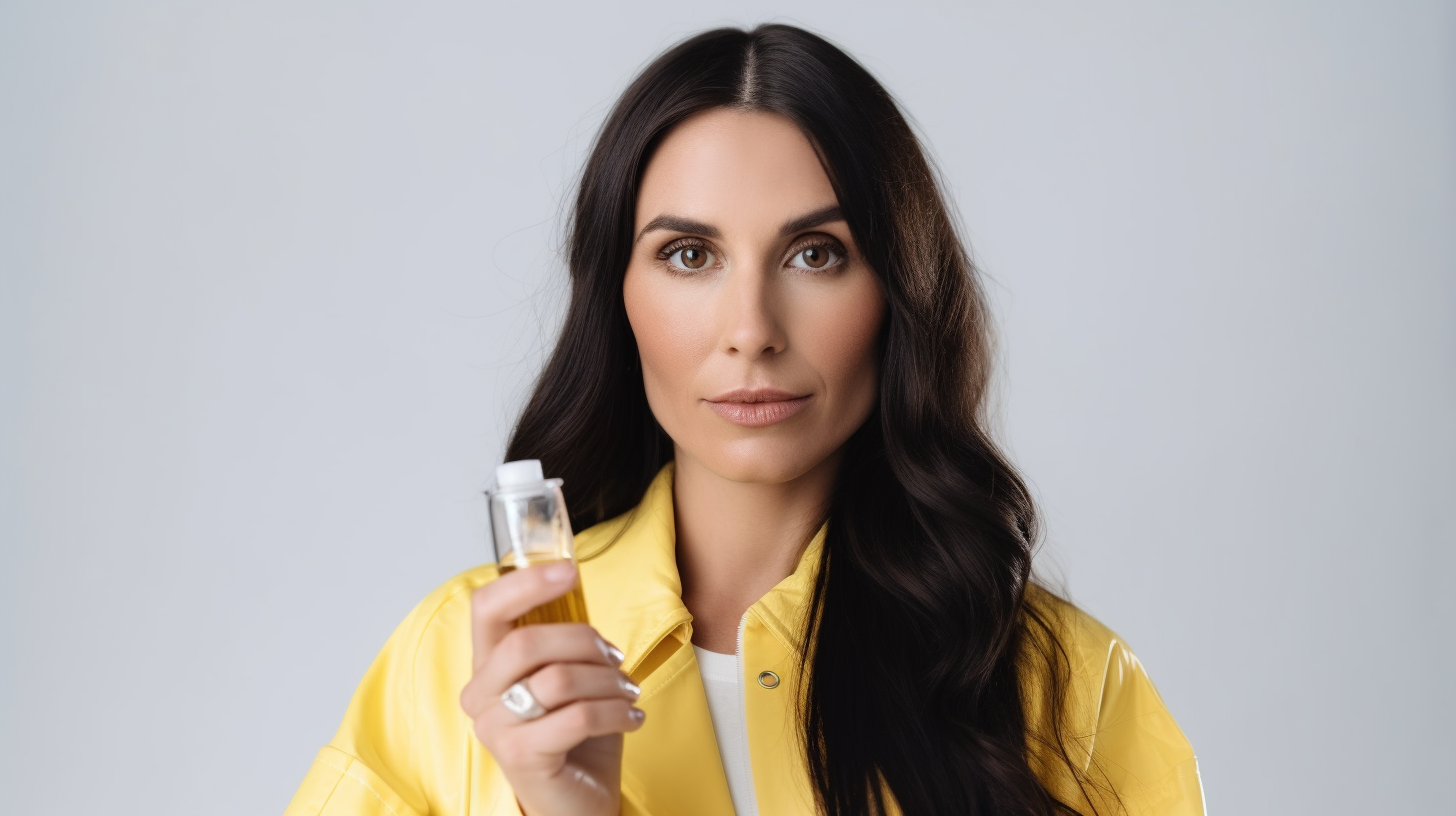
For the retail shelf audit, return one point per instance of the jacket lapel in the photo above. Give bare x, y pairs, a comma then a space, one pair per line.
634, 598
633, 594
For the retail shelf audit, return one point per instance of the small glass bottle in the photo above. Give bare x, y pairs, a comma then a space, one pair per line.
530, 528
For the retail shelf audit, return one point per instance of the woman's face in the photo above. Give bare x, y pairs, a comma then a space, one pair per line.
755, 317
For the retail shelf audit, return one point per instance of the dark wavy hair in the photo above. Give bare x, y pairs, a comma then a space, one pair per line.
927, 561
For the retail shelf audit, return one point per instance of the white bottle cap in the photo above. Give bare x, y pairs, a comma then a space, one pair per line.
519, 473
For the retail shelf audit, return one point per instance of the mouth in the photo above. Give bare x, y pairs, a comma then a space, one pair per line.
757, 407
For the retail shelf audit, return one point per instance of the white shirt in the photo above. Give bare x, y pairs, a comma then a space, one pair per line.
723, 682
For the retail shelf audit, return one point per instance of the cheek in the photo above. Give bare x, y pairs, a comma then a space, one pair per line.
669, 343
843, 343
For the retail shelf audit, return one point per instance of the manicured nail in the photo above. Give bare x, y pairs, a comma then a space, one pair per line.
630, 687
611, 652
561, 573
637, 714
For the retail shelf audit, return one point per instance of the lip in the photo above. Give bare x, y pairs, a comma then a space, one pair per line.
757, 407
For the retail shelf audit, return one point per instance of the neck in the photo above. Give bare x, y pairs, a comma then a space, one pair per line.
736, 540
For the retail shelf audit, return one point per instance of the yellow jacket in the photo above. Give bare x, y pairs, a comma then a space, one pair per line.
406, 748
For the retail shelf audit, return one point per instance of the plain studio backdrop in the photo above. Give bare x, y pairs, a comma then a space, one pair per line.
275, 279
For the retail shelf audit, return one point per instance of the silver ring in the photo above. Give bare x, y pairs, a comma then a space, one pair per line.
521, 702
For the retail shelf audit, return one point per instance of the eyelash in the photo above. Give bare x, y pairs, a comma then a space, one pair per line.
813, 243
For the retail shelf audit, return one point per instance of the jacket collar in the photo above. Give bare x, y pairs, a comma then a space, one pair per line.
634, 592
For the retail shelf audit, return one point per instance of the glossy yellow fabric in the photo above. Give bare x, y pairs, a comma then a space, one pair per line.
406, 748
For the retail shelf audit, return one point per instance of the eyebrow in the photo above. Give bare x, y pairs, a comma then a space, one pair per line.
677, 223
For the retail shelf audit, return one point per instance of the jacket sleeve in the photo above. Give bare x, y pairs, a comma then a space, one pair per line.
404, 747
1138, 746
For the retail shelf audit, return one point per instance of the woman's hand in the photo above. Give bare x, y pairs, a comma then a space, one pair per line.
567, 762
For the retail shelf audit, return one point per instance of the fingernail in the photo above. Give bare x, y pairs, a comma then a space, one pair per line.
561, 572
630, 687
637, 714
611, 652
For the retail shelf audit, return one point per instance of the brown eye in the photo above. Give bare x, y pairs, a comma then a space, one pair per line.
690, 258
815, 257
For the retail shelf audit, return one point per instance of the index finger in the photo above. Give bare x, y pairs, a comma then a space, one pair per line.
495, 606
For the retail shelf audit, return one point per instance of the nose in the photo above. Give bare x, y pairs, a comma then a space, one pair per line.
748, 315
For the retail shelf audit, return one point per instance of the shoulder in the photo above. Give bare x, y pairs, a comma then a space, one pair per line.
403, 741
423, 658
1111, 720
414, 681
447, 598
440, 618
1092, 648
432, 634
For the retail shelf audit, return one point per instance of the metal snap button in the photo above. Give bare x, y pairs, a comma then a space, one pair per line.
768, 679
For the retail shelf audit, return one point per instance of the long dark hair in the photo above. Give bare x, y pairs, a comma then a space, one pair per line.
921, 622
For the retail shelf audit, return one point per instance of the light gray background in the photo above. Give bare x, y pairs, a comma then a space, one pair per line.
274, 278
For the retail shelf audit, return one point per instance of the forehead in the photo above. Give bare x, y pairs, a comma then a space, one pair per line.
735, 170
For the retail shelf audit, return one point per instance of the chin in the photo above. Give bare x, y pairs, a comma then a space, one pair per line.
762, 460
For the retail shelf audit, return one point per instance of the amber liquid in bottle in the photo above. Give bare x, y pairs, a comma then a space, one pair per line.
569, 608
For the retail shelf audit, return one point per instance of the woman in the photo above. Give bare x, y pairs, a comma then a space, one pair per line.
766, 403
